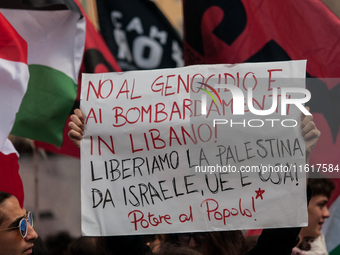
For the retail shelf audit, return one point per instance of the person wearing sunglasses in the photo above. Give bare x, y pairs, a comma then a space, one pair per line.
16, 227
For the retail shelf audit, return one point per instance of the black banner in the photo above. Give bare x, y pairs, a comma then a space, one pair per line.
139, 35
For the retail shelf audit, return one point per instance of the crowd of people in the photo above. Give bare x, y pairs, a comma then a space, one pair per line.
17, 235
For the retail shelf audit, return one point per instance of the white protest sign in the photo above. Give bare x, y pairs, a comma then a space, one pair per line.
151, 162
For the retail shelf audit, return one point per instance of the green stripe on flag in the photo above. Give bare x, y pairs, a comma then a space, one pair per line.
335, 251
46, 105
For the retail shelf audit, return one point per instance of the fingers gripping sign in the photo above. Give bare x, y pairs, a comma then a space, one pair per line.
76, 126
309, 132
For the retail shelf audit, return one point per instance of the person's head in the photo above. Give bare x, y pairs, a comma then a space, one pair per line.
153, 241
217, 242
251, 241
15, 240
87, 245
321, 186
322, 189
57, 243
170, 249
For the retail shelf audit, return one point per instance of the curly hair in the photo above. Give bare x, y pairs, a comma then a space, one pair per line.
321, 186
224, 242
3, 197
229, 242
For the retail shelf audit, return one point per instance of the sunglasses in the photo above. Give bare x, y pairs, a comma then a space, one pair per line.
185, 237
23, 227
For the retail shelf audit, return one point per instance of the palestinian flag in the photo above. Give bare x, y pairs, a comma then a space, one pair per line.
14, 76
97, 59
55, 41
10, 180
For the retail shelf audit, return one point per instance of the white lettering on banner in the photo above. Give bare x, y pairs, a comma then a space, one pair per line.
161, 35
135, 25
177, 54
114, 16
146, 50
154, 56
122, 44
120, 37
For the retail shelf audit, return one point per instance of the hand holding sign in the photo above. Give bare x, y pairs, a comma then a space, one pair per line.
76, 126
148, 148
310, 133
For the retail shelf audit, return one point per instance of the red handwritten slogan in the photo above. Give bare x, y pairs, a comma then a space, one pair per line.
161, 155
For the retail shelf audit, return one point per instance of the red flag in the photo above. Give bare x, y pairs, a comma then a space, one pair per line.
10, 180
13, 84
238, 31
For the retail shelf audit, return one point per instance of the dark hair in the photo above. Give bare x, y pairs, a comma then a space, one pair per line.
251, 241
229, 242
225, 242
171, 248
87, 245
57, 244
321, 186
3, 197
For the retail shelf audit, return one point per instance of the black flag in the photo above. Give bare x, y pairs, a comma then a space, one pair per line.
139, 35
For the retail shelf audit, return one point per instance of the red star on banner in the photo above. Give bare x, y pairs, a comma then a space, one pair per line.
259, 193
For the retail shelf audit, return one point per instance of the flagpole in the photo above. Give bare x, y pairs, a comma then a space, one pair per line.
90, 7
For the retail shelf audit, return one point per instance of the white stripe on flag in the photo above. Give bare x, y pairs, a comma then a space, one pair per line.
9, 148
13, 85
57, 43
